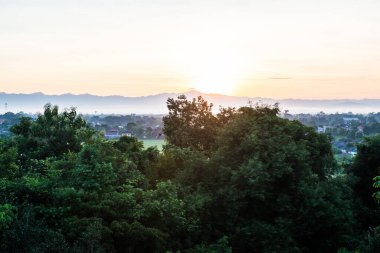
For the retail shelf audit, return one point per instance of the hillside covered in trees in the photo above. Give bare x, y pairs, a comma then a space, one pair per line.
242, 180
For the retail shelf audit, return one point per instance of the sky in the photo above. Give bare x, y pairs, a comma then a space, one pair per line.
268, 48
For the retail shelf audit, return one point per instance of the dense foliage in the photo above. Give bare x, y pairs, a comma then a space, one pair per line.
243, 180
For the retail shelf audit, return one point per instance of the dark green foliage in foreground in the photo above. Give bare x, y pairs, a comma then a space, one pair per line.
376, 185
365, 167
269, 188
244, 180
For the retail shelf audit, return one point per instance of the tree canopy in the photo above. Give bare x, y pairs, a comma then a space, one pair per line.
241, 180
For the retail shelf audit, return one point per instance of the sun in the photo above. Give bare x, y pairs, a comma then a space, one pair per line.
218, 76
212, 66
214, 85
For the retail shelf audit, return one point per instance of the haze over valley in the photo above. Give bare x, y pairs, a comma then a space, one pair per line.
156, 104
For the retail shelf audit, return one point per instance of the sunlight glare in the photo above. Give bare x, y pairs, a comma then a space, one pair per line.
220, 73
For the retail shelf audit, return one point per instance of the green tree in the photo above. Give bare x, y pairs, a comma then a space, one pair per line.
51, 134
365, 167
266, 177
220, 247
376, 185
9, 167
7, 215
190, 123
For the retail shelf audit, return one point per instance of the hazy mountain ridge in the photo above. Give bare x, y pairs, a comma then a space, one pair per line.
156, 104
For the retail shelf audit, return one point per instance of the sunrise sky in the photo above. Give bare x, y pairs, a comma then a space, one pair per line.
267, 48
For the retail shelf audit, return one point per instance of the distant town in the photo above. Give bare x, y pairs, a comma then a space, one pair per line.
344, 130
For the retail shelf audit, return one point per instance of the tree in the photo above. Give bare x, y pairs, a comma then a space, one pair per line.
8, 160
365, 167
376, 185
51, 134
7, 215
267, 177
190, 123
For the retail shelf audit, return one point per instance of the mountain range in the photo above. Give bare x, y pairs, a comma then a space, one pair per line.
156, 104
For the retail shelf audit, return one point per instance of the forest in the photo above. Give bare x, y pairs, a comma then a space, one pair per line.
241, 180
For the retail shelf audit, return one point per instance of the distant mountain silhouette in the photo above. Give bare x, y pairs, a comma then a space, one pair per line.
156, 104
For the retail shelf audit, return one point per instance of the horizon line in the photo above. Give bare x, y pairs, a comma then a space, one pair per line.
184, 93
